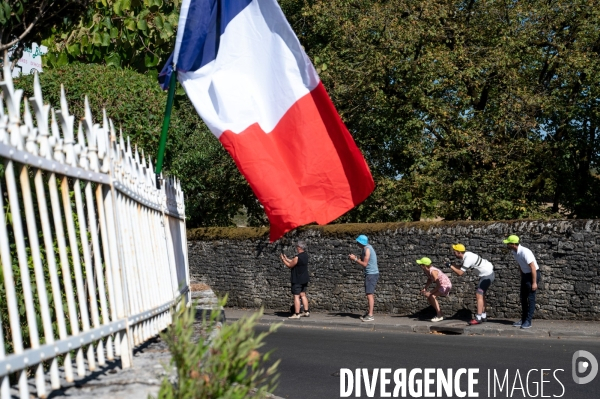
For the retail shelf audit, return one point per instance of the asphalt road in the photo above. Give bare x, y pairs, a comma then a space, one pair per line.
311, 359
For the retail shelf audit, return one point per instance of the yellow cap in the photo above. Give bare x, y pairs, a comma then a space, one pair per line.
459, 247
424, 261
512, 240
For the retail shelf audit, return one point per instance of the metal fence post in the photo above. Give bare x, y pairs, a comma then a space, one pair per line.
95, 228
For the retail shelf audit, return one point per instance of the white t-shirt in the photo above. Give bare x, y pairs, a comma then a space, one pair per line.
524, 257
482, 266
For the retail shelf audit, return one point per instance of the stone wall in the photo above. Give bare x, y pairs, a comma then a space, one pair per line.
242, 263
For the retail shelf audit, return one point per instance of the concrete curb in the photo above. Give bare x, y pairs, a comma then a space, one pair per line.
458, 328
573, 334
268, 395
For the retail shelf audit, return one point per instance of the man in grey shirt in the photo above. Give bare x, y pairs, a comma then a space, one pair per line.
368, 260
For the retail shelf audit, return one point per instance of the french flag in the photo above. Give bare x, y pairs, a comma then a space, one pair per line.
248, 77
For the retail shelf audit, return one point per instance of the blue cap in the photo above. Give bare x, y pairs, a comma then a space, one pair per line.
362, 239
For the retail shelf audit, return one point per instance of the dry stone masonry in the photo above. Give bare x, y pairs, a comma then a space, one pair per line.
243, 264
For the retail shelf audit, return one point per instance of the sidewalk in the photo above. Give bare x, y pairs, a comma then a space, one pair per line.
151, 364
566, 329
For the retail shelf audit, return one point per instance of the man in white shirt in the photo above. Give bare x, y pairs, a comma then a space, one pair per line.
485, 271
531, 276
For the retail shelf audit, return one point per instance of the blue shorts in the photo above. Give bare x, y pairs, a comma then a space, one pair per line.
370, 283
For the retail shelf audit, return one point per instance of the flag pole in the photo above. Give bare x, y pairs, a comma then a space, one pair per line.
163, 137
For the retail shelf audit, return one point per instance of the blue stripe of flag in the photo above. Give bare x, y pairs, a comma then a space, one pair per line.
200, 41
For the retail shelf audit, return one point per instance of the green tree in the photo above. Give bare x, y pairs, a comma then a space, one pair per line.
130, 33
463, 109
457, 104
25, 21
566, 36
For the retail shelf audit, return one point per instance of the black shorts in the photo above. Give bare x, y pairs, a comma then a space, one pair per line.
298, 288
484, 283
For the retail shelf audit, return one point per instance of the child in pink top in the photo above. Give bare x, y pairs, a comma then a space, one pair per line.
443, 286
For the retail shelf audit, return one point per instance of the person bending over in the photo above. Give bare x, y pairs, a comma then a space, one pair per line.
485, 271
443, 286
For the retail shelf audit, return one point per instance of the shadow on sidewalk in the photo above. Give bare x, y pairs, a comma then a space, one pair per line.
428, 313
503, 322
282, 314
342, 314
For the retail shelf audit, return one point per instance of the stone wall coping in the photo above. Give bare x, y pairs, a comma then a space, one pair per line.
432, 227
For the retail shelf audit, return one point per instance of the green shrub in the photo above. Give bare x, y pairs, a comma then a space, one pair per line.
134, 101
226, 366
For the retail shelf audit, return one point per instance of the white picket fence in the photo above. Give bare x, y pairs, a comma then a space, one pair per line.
107, 249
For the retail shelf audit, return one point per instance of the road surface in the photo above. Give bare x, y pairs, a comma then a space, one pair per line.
312, 359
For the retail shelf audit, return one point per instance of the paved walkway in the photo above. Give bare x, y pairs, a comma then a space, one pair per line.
150, 365
388, 322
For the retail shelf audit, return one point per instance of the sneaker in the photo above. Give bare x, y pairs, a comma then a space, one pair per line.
483, 319
518, 323
474, 322
294, 316
526, 324
437, 318
306, 314
364, 315
368, 318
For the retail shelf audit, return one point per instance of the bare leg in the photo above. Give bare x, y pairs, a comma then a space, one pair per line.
480, 303
304, 301
297, 303
371, 300
432, 299
433, 302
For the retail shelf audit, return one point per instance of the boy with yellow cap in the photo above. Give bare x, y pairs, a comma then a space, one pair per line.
531, 276
485, 271
443, 286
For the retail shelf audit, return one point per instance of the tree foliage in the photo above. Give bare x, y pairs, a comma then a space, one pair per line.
24, 21
131, 33
215, 191
464, 109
